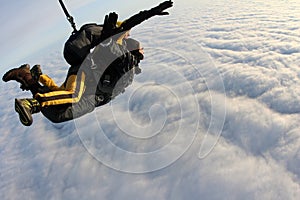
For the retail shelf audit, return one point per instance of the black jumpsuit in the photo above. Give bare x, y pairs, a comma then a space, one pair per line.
82, 91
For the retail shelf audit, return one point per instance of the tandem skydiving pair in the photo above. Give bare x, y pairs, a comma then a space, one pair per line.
103, 61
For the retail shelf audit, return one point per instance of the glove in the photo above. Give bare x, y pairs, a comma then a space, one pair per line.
109, 26
158, 10
137, 54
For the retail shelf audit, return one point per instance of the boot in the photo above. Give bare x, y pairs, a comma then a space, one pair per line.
36, 71
25, 108
21, 75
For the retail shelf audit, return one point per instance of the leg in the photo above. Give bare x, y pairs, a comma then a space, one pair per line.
66, 112
48, 82
23, 75
70, 94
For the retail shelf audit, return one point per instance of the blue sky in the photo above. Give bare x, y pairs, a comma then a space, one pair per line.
32, 26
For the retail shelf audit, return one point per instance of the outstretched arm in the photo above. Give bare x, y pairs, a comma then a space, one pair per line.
109, 26
146, 14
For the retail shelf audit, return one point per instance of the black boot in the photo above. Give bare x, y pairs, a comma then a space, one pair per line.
36, 71
25, 108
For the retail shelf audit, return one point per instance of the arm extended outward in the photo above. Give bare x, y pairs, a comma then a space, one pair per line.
109, 26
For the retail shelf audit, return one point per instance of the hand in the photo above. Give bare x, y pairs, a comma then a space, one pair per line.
158, 10
138, 53
109, 26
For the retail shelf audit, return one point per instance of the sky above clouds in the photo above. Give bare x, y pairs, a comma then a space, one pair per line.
32, 26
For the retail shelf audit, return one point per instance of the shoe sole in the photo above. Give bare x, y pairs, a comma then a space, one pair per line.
25, 119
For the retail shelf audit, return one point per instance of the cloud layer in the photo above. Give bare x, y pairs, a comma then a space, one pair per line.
214, 114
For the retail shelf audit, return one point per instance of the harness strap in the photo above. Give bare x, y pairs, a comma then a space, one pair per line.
69, 17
